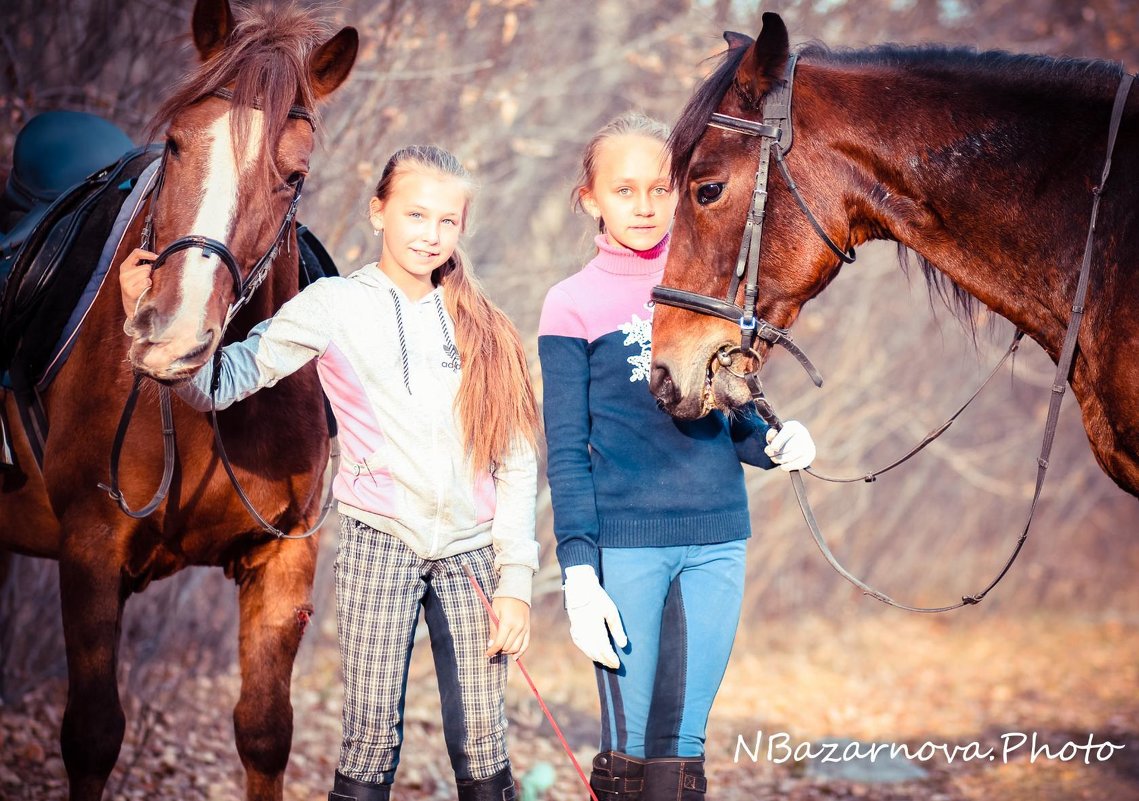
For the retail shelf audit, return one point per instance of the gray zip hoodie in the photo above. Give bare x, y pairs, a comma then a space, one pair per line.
391, 372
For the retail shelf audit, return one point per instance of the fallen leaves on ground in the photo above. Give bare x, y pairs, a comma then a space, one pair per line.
878, 678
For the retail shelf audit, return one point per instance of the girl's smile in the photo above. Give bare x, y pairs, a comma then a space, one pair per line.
421, 220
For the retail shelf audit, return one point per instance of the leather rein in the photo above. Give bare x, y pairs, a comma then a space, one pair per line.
775, 134
243, 291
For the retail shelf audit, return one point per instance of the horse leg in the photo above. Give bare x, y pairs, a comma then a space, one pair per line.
275, 596
27, 523
92, 596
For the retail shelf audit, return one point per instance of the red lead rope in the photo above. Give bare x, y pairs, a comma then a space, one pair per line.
526, 675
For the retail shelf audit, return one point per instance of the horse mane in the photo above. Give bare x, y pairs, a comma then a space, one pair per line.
1027, 71
1023, 69
265, 60
1077, 76
689, 127
941, 287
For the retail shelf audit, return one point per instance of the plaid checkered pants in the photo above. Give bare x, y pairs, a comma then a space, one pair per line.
380, 585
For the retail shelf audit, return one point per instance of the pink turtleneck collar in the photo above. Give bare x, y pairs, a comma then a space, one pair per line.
622, 261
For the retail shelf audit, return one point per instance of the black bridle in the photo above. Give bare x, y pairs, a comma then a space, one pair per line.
775, 135
243, 288
243, 292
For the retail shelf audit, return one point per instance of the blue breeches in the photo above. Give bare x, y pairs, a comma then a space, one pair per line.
680, 606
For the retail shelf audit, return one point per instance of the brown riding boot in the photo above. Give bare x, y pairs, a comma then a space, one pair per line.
617, 776
675, 779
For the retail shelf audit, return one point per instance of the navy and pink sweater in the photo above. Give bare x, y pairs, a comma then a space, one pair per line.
622, 472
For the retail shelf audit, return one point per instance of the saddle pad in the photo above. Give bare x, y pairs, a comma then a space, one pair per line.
67, 337
315, 262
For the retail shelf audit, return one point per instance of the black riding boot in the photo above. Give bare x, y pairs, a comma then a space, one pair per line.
346, 789
499, 787
675, 779
617, 776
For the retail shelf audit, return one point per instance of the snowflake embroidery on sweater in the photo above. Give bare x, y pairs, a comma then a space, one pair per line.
639, 332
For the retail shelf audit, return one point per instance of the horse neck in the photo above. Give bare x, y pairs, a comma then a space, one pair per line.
987, 179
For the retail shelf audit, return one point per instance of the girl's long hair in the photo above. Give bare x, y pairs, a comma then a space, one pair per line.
495, 404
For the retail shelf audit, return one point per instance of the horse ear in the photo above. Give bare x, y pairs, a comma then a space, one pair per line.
329, 64
213, 22
737, 40
763, 65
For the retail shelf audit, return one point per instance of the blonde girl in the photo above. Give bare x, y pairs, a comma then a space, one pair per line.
437, 420
650, 513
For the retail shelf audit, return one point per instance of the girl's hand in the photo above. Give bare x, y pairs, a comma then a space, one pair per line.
512, 634
593, 617
791, 447
134, 278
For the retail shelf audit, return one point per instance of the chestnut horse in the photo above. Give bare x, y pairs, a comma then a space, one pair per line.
984, 164
238, 135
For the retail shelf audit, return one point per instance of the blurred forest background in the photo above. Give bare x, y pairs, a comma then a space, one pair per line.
515, 88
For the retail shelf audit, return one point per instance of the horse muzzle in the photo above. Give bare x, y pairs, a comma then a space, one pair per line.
714, 382
172, 356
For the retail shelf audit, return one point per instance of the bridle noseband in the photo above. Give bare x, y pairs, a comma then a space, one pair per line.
775, 135
243, 288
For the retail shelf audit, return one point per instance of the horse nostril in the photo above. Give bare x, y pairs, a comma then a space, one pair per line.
143, 322
662, 385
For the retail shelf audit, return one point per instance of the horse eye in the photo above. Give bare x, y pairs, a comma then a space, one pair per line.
708, 193
172, 146
295, 178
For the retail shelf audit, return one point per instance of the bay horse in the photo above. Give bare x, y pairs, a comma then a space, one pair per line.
238, 133
984, 164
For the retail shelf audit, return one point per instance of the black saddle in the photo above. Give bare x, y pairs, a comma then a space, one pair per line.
54, 264
53, 152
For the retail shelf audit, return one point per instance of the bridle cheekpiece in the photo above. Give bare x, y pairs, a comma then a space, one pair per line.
775, 135
243, 287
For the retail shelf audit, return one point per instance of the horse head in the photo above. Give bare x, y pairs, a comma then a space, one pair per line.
238, 134
698, 360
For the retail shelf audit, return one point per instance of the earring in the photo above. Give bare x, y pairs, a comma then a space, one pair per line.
375, 232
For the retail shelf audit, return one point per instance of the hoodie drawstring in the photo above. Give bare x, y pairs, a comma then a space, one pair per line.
449, 349
449, 346
402, 339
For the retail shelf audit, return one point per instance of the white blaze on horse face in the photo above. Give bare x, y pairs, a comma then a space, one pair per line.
214, 219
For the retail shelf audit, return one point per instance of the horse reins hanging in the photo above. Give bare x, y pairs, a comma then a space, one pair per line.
776, 135
243, 291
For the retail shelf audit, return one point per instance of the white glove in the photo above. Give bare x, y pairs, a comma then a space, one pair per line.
791, 447
590, 610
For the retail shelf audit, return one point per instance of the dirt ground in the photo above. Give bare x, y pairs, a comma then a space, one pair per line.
977, 682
